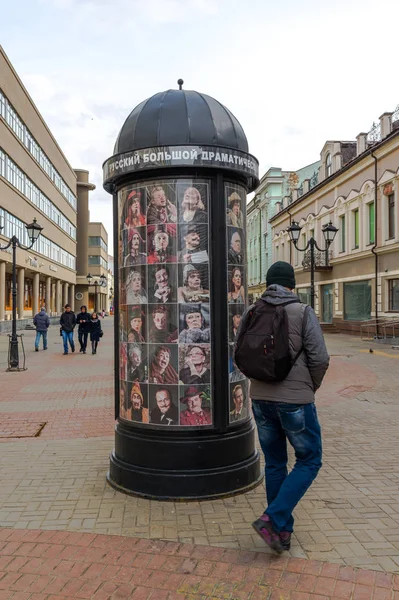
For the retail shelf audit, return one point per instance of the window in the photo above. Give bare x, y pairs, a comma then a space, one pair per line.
328, 165
357, 301
311, 233
391, 216
11, 117
304, 295
394, 294
98, 260
342, 229
98, 241
356, 228
371, 223
21, 182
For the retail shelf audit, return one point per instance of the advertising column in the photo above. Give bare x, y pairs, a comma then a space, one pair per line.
164, 314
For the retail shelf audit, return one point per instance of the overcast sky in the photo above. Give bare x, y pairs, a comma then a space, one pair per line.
294, 72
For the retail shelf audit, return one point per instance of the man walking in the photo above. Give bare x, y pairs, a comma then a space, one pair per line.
285, 410
68, 322
42, 323
83, 321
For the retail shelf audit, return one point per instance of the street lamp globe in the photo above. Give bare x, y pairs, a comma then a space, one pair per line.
294, 230
329, 232
34, 230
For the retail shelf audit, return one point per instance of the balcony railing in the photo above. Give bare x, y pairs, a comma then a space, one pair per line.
321, 260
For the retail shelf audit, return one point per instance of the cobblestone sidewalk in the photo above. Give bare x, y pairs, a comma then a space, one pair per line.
56, 480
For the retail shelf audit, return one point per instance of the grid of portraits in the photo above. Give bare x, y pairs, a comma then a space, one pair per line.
164, 289
235, 198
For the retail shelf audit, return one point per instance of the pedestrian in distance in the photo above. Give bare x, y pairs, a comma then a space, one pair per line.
42, 322
95, 332
83, 321
280, 347
68, 322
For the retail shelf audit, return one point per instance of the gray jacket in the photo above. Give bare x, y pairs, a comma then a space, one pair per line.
308, 372
41, 321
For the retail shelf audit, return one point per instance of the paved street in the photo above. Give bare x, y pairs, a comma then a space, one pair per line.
57, 431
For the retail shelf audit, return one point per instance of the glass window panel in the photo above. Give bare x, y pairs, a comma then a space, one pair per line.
394, 294
357, 301
371, 223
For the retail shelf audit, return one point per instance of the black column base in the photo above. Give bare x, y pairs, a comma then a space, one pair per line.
203, 468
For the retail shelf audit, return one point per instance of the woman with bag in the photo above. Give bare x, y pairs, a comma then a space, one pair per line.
95, 332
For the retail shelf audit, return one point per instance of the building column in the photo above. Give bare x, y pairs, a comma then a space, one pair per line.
20, 293
48, 295
2, 290
35, 299
72, 296
58, 299
65, 295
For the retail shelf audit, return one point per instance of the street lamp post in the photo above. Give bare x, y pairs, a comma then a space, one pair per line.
97, 282
34, 230
329, 233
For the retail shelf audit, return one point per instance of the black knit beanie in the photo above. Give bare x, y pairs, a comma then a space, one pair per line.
281, 273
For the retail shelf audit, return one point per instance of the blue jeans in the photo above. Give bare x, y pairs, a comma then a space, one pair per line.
67, 336
277, 422
40, 334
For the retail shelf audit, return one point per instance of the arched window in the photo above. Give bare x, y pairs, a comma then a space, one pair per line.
328, 165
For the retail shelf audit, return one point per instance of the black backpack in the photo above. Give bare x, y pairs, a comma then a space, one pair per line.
262, 349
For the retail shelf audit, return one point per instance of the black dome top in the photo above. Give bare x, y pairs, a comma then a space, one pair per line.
178, 118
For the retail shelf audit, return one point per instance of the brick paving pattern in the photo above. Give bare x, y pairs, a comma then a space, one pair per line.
54, 485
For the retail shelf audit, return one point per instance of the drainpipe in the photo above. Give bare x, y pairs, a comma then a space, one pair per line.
260, 245
375, 243
290, 216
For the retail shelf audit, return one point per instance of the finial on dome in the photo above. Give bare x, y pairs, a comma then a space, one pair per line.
180, 83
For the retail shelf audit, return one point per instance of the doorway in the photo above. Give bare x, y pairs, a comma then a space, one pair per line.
327, 303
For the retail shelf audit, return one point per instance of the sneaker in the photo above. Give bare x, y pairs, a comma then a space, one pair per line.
36, 349
81, 350
73, 349
65, 353
84, 351
264, 528
285, 539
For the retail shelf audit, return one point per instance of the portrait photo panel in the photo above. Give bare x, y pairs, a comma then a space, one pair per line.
193, 244
236, 310
235, 374
133, 207
163, 364
161, 203
194, 324
161, 244
134, 247
164, 404
162, 283
195, 405
136, 323
235, 246
193, 282
195, 364
134, 282
236, 199
192, 202
238, 401
137, 402
163, 323
137, 362
236, 285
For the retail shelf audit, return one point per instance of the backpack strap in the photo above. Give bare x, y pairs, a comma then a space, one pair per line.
304, 323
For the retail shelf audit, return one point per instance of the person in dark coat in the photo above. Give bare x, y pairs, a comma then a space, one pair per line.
42, 322
68, 322
95, 332
83, 321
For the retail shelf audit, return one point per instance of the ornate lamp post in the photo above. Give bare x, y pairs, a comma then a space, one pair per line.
34, 230
329, 233
97, 282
